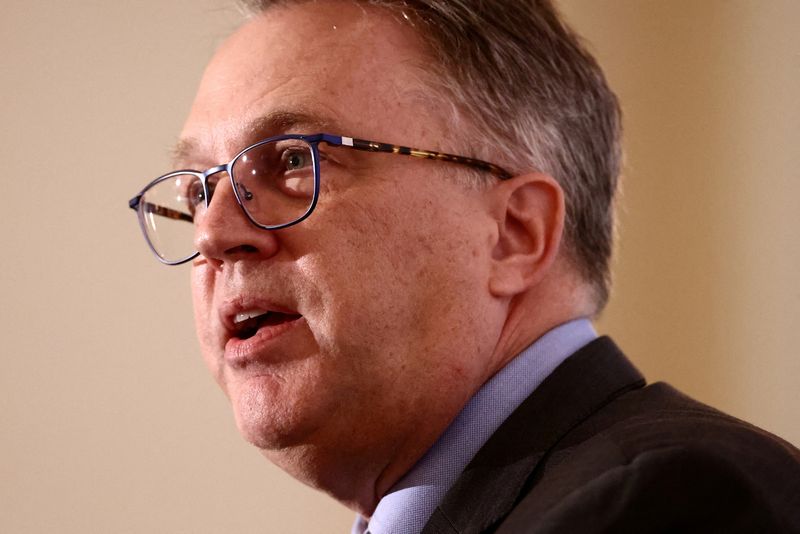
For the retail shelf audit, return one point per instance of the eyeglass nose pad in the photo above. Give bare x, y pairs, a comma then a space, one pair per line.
244, 193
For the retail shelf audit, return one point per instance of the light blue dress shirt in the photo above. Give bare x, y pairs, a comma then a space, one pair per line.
409, 504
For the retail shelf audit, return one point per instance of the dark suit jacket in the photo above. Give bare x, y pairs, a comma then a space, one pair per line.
594, 450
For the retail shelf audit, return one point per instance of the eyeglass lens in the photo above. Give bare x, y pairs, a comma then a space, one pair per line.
274, 184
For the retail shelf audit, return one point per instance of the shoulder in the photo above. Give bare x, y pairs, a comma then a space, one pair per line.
654, 459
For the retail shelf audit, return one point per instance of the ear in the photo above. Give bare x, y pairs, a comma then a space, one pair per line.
530, 212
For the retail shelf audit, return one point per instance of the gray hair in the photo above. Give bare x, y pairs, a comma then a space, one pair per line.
530, 93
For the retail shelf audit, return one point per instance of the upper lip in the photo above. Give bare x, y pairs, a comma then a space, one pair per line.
234, 306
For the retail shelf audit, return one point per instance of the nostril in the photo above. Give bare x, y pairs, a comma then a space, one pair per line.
247, 249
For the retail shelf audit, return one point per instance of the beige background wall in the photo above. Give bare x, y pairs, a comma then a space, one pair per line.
108, 421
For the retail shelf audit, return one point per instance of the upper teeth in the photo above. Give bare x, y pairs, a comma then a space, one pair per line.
249, 314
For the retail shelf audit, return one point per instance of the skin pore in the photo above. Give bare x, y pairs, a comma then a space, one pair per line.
413, 289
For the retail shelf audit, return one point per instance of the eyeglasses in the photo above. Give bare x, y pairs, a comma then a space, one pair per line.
275, 182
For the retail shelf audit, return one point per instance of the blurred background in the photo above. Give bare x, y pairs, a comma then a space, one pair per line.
108, 419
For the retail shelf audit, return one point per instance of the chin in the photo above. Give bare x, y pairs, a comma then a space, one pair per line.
268, 434
268, 421
266, 439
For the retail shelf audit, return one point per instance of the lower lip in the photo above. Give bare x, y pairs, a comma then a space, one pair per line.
259, 347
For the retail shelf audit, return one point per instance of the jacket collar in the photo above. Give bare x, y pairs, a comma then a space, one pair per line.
492, 482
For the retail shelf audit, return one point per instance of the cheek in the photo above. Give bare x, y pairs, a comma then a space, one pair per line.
392, 273
202, 295
202, 281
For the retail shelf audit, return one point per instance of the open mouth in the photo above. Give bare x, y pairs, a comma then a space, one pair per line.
246, 324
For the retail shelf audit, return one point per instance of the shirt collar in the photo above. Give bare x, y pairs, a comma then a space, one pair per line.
409, 504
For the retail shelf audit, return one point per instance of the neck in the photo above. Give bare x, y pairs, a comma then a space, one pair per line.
358, 472
532, 314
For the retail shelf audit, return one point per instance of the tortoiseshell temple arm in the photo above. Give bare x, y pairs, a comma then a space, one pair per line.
169, 213
372, 146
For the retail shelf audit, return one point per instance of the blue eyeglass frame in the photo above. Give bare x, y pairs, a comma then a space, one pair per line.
313, 141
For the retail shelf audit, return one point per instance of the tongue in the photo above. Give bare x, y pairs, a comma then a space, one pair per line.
249, 327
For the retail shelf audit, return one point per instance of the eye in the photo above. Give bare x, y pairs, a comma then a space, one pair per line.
294, 159
190, 192
195, 196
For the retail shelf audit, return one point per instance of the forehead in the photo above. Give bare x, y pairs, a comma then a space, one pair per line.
337, 65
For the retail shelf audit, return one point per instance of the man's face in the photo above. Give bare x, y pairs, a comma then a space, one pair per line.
386, 318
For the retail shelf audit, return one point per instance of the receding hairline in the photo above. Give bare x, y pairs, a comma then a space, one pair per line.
428, 90
422, 92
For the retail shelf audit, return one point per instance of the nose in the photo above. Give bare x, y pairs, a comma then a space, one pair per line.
224, 234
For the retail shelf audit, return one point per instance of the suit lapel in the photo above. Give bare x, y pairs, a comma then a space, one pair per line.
491, 484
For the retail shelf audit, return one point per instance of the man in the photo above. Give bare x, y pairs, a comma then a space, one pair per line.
409, 330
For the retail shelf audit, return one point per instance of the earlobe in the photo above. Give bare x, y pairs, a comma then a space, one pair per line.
530, 213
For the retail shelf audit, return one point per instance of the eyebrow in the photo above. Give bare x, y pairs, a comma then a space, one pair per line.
274, 123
